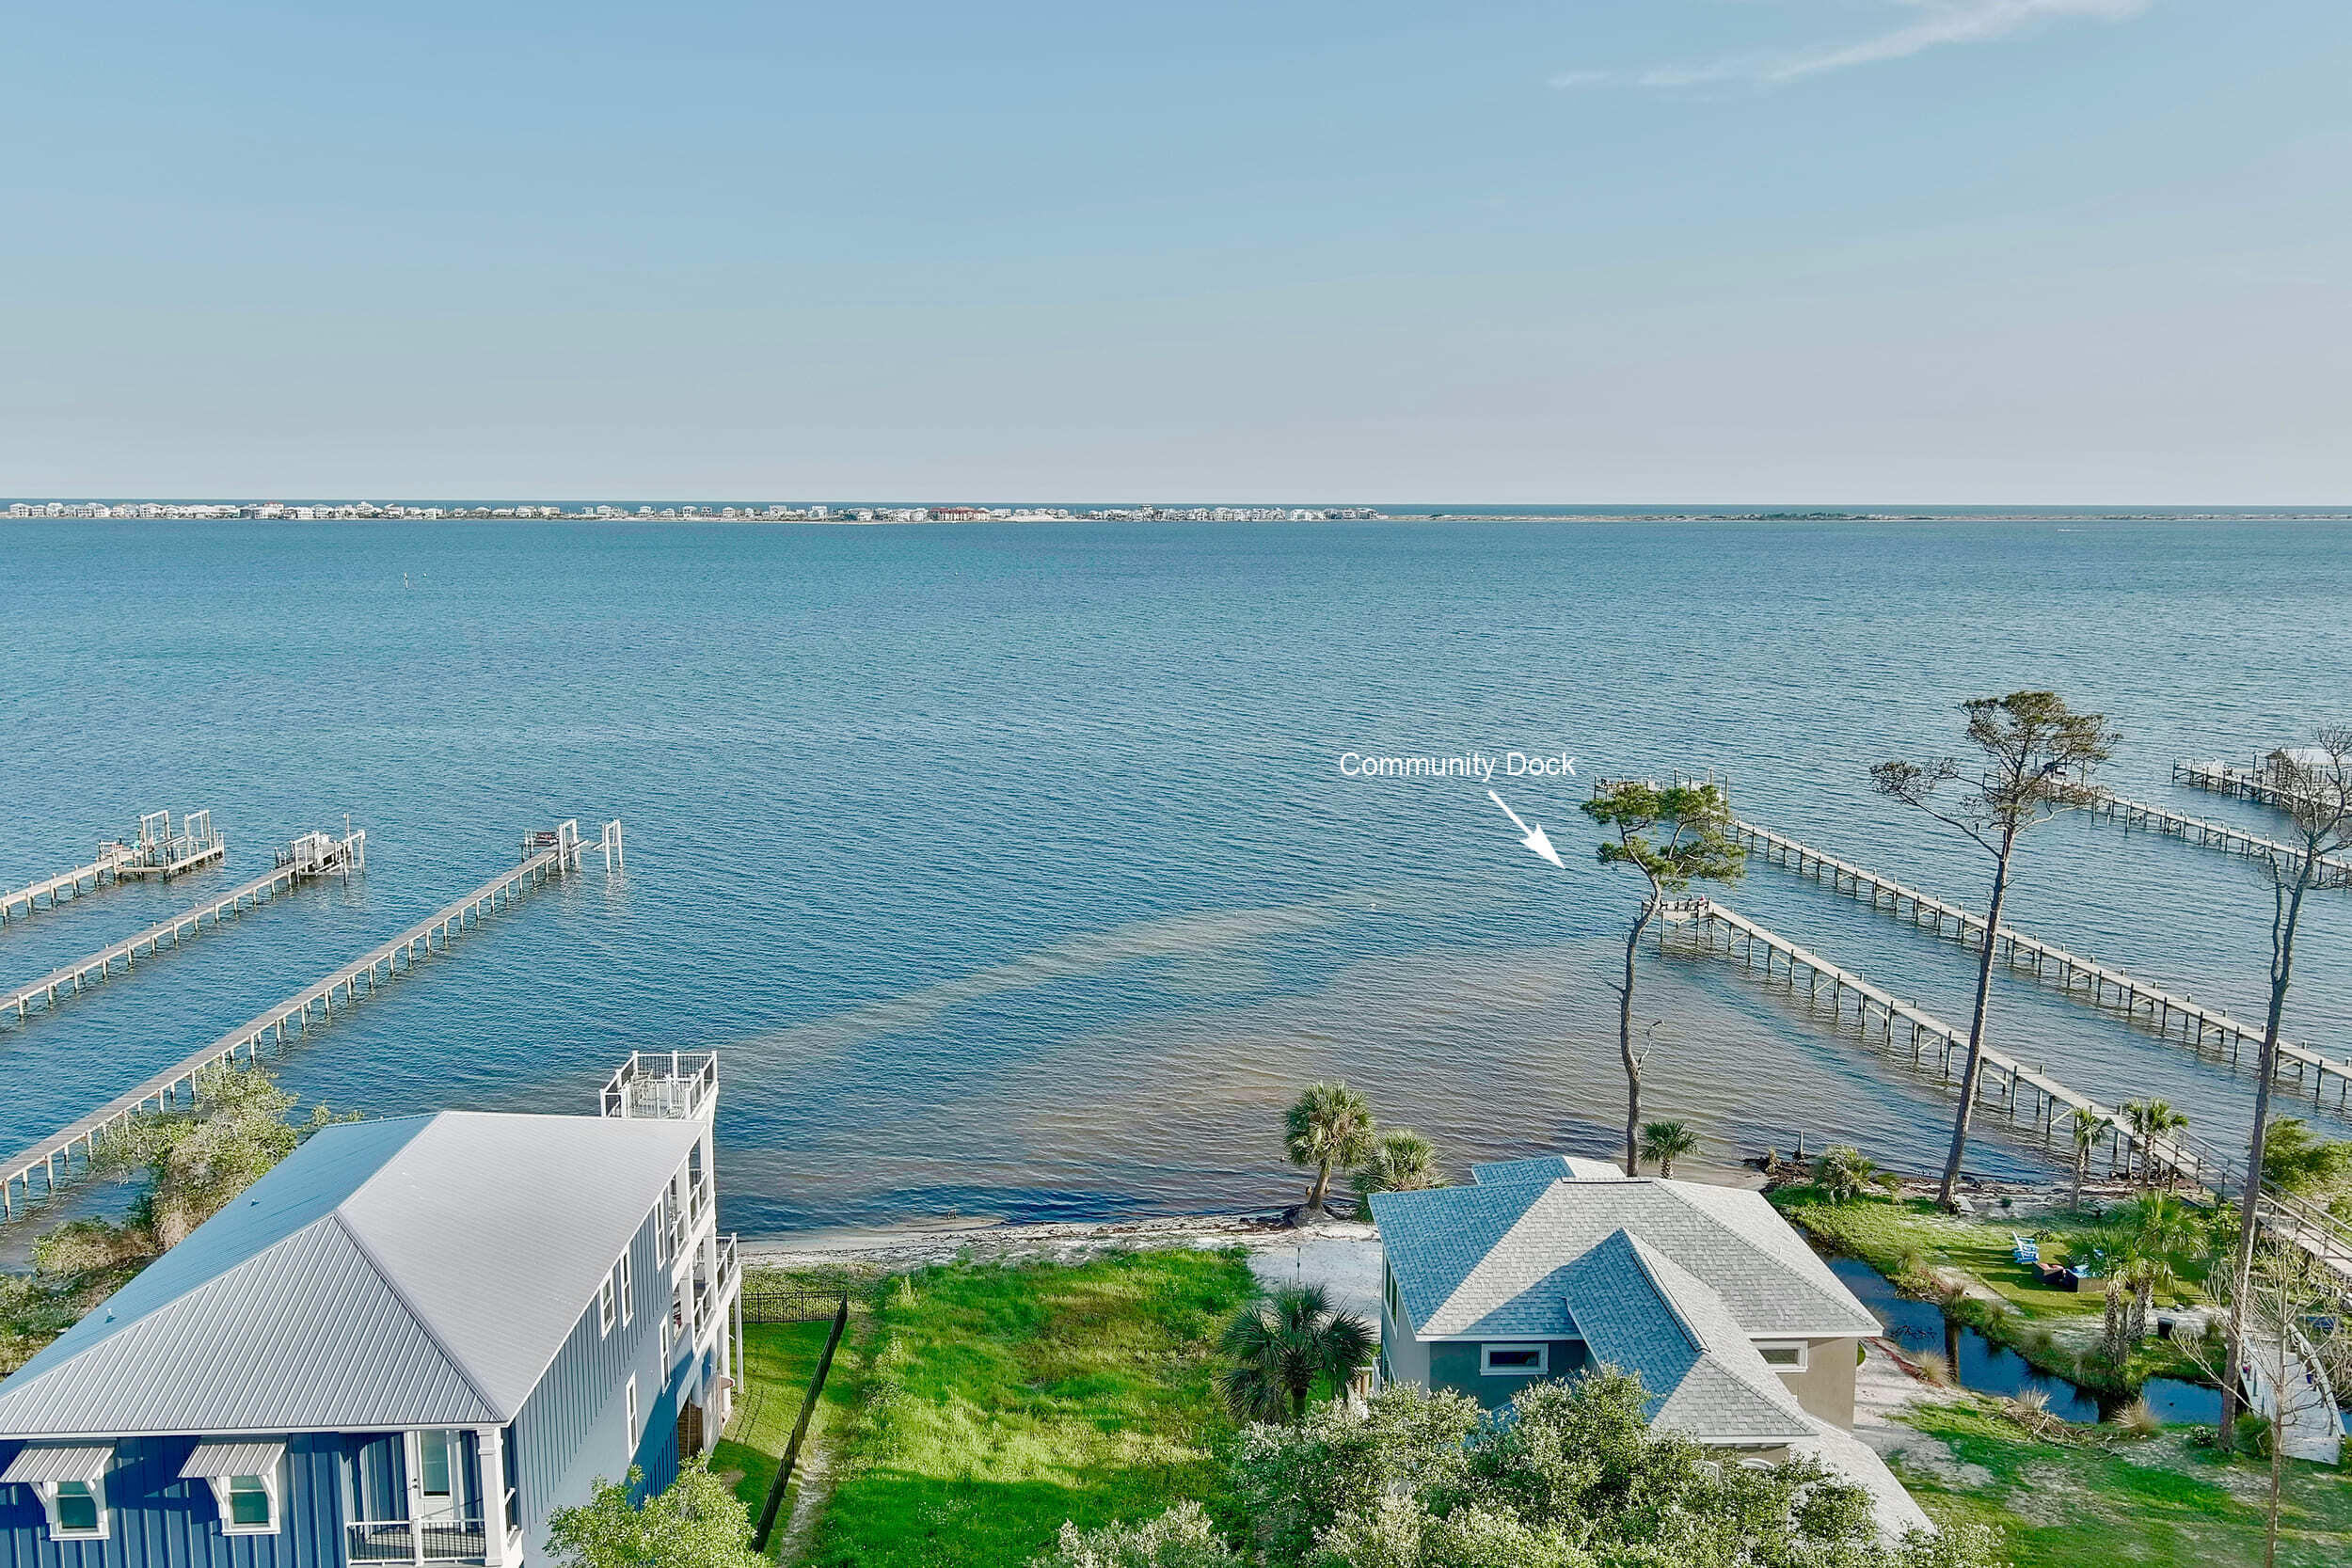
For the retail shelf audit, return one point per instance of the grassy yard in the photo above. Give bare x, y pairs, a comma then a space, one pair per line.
992, 1402
778, 1361
2154, 1503
1908, 1238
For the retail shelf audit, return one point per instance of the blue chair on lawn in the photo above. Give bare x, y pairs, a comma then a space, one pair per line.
2028, 1251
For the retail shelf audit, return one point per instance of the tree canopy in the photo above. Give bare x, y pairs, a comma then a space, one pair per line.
696, 1522
1572, 1478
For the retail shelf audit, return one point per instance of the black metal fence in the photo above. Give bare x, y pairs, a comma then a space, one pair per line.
789, 1305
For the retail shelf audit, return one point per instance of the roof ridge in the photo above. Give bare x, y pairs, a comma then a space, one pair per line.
1673, 1189
456, 1362
1642, 1251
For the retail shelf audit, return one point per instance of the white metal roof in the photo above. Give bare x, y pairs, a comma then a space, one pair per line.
50, 1461
232, 1456
416, 1272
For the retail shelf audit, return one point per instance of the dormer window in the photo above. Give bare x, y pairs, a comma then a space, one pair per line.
71, 1481
244, 1479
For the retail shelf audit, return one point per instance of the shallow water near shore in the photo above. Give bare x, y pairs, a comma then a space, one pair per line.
1012, 870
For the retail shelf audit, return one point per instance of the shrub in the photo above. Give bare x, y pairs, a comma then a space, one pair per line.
1180, 1538
2139, 1419
1933, 1365
2251, 1434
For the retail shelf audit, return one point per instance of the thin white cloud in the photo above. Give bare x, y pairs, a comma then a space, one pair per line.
1936, 23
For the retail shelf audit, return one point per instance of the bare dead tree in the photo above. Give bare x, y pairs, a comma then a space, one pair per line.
2315, 790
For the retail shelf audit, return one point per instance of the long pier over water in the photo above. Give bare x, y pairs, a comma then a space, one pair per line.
2004, 1080
2334, 870
2199, 1023
18, 902
54, 1160
311, 855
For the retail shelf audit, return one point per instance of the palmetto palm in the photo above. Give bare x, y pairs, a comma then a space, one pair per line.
1666, 1142
1402, 1161
1282, 1343
2152, 1119
2089, 1125
1328, 1125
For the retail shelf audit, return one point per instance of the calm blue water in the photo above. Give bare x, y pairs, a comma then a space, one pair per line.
1011, 868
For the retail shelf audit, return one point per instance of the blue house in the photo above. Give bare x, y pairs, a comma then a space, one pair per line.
410, 1342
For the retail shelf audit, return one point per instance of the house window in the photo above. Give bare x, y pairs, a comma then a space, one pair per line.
1786, 1357
633, 1413
78, 1510
71, 1480
244, 1476
250, 1506
608, 1301
1515, 1360
623, 1283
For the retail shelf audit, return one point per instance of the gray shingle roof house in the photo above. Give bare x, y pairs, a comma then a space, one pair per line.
410, 1342
1739, 1332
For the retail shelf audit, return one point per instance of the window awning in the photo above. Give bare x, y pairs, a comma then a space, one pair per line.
44, 1463
233, 1456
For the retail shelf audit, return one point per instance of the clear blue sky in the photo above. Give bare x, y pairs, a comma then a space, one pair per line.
1591, 251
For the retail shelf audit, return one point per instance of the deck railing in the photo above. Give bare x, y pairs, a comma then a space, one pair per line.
675, 1085
407, 1541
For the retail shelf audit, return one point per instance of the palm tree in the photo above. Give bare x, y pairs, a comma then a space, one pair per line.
1282, 1345
2147, 1246
2151, 1120
1402, 1161
1666, 1142
2089, 1125
1844, 1173
1329, 1125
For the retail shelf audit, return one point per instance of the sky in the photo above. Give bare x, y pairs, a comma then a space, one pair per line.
1588, 251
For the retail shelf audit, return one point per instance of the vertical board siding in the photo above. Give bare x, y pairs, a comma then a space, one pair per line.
569, 1432
155, 1519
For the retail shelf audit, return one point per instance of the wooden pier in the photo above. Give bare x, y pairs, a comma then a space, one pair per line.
2334, 870
2258, 780
2004, 1080
23, 901
311, 855
161, 853
2199, 1025
65, 1155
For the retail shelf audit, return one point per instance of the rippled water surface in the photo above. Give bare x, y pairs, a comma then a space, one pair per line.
1012, 869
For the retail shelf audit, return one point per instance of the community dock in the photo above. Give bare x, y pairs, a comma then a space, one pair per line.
2257, 780
2199, 1025
2334, 870
2008, 1082
54, 1160
311, 855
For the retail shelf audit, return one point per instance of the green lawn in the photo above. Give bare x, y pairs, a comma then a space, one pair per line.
778, 1361
1904, 1238
993, 1402
2154, 1503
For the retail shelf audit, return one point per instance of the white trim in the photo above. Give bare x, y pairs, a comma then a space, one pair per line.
96, 1485
607, 1308
625, 1276
270, 1489
629, 1395
1542, 1368
1802, 1347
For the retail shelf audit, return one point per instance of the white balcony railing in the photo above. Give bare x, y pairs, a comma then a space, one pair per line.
674, 1085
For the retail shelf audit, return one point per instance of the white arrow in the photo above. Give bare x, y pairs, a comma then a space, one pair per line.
1532, 837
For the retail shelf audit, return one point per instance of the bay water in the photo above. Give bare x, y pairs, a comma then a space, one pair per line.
1013, 871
